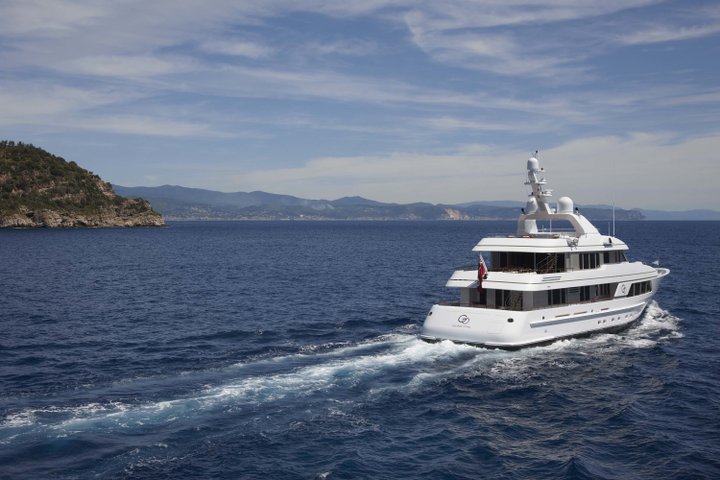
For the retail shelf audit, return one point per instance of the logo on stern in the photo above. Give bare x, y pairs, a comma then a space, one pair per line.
464, 319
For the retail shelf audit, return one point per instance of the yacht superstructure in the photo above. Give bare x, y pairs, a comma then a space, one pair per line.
544, 284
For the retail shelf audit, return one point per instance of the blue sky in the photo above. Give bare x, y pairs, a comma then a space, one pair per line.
393, 100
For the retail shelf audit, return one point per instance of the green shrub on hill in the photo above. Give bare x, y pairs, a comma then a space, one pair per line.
33, 180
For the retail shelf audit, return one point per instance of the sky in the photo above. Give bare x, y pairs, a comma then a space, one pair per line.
394, 100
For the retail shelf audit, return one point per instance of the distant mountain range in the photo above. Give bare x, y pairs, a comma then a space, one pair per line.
182, 203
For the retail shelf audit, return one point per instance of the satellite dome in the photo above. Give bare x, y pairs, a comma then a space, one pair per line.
565, 205
531, 206
533, 165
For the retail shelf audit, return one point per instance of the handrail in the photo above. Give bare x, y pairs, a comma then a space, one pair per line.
548, 264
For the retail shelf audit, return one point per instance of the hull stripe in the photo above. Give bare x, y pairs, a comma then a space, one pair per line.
545, 323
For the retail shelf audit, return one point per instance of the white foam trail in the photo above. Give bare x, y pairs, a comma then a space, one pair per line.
346, 366
656, 325
333, 349
656, 320
342, 367
471, 359
406, 350
20, 419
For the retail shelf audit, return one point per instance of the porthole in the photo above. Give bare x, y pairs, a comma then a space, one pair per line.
510, 320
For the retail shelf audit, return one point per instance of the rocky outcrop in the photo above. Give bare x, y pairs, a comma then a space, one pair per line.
105, 218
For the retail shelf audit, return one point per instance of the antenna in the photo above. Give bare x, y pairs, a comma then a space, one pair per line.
613, 197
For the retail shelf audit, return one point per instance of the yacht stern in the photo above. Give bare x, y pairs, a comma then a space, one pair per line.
492, 328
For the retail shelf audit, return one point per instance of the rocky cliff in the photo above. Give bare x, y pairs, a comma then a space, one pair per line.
38, 189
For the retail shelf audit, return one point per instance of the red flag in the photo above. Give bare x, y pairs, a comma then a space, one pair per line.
481, 274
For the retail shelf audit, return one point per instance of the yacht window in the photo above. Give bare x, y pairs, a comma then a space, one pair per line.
640, 288
589, 260
585, 293
513, 261
556, 297
613, 257
508, 299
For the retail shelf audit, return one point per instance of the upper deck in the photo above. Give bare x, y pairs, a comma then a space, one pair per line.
550, 243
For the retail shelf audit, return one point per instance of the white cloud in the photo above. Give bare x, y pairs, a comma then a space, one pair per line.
464, 14
350, 48
127, 66
638, 171
142, 125
43, 103
660, 34
687, 22
47, 18
704, 98
542, 39
237, 48
451, 123
500, 53
278, 83
398, 177
129, 38
58, 107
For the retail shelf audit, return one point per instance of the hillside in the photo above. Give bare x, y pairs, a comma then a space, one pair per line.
182, 203
38, 189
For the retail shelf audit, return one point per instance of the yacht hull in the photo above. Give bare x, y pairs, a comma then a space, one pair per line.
510, 329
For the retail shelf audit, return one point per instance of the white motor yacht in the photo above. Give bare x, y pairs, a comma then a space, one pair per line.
544, 283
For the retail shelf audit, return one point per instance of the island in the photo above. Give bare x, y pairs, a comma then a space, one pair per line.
39, 189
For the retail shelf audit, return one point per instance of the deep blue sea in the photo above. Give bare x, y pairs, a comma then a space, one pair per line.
289, 350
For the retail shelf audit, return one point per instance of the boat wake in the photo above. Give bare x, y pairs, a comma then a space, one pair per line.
363, 372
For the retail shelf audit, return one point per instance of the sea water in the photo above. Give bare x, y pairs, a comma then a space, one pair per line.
291, 350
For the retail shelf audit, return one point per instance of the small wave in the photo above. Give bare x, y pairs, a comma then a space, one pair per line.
656, 325
20, 419
472, 361
657, 320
